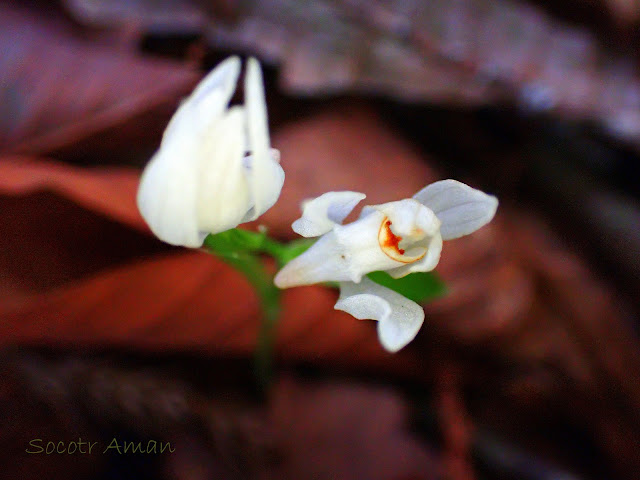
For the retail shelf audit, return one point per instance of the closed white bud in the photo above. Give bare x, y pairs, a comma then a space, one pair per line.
215, 168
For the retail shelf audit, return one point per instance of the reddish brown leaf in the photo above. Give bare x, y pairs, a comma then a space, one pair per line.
56, 89
108, 191
190, 301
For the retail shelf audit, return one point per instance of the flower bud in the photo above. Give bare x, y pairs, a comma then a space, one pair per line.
215, 168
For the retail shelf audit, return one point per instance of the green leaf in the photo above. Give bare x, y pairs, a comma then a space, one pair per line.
235, 240
419, 286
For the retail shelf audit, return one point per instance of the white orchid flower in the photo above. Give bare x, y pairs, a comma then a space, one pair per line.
215, 168
397, 237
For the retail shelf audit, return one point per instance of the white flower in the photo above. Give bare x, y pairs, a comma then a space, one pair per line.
397, 237
215, 168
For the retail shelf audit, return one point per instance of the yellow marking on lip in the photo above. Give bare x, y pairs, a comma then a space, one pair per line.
390, 244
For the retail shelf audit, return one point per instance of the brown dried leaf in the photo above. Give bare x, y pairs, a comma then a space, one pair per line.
56, 89
109, 191
467, 52
143, 306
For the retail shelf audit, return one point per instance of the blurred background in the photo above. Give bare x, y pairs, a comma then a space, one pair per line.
528, 368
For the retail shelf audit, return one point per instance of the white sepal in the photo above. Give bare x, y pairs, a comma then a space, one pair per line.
265, 174
206, 103
461, 209
322, 213
167, 199
399, 319
326, 261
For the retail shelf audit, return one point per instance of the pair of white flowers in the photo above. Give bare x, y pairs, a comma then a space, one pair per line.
215, 169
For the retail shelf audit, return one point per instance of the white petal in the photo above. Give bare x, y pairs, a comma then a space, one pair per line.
321, 214
426, 263
207, 102
461, 209
223, 191
399, 319
266, 177
410, 218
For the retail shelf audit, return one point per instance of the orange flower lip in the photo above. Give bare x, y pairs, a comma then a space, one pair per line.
390, 244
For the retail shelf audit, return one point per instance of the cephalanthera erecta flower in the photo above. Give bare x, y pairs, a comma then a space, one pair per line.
397, 237
215, 168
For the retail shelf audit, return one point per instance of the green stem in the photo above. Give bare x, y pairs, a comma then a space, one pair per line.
252, 268
242, 249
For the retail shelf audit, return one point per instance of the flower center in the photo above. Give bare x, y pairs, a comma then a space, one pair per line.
390, 244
